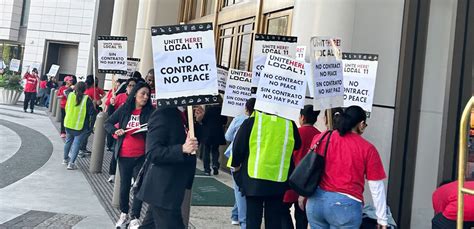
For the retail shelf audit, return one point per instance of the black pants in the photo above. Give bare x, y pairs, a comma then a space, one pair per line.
113, 165
441, 222
273, 207
128, 168
300, 217
162, 218
63, 114
210, 150
30, 97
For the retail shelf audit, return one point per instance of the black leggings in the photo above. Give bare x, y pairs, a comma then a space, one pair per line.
128, 168
30, 97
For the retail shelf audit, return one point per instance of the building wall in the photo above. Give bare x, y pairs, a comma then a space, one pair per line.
10, 11
438, 52
60, 20
366, 26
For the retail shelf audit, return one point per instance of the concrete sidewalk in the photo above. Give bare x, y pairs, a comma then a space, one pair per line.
40, 192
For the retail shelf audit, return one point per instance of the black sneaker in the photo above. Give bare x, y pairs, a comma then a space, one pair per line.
24, 111
31, 111
215, 171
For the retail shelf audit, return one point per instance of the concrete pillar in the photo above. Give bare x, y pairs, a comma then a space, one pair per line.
97, 156
119, 18
152, 13
52, 99
58, 110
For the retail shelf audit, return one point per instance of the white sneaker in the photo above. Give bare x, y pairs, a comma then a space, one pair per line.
71, 166
235, 222
123, 221
65, 162
111, 179
134, 224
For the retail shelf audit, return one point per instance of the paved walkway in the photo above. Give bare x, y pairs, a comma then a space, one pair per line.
36, 191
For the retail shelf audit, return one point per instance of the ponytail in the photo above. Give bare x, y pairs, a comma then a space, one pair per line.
349, 119
80, 88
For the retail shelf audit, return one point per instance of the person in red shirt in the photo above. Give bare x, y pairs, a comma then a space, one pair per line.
42, 92
130, 146
62, 94
121, 98
445, 206
350, 159
31, 83
307, 132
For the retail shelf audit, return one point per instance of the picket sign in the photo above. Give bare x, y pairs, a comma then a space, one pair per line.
185, 66
112, 54
238, 90
14, 65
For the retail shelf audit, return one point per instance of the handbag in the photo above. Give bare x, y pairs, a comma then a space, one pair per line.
308, 173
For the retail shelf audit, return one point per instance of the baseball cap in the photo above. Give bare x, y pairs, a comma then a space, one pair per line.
68, 78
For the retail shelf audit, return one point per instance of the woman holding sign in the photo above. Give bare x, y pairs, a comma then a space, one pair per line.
130, 146
30, 89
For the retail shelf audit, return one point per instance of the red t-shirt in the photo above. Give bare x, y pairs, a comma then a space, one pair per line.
43, 84
307, 134
349, 160
153, 98
133, 145
99, 93
445, 201
64, 98
120, 99
31, 82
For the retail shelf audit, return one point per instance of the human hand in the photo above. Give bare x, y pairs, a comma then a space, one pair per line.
191, 145
119, 132
112, 101
301, 202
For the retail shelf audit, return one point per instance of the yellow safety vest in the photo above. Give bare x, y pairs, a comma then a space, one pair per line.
271, 146
75, 115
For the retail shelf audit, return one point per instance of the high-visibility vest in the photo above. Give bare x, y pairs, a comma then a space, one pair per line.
75, 115
271, 147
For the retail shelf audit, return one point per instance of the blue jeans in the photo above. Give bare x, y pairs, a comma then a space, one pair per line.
72, 145
333, 210
241, 205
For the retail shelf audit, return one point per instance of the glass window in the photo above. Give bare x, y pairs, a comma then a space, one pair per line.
278, 26
25, 12
196, 9
235, 44
226, 51
245, 47
209, 7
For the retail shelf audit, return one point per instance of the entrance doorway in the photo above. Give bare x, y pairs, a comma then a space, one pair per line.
63, 54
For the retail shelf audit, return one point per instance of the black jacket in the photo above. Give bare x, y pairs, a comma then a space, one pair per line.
240, 154
211, 131
122, 117
170, 171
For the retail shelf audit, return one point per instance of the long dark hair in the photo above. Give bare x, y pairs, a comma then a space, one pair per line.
349, 119
130, 105
90, 81
80, 88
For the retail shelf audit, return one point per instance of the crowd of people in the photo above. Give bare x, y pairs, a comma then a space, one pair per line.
156, 156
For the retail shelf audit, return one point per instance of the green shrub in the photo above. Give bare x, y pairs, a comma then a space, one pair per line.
11, 81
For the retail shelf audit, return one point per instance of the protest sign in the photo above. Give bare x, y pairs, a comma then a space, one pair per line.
282, 87
112, 54
326, 64
14, 65
185, 64
53, 70
132, 65
360, 71
300, 52
269, 44
237, 92
221, 78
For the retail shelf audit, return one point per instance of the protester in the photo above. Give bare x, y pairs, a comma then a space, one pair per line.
62, 94
137, 76
263, 180
30, 89
240, 207
350, 159
307, 132
171, 170
51, 84
445, 199
150, 79
42, 93
130, 148
211, 135
79, 111
115, 104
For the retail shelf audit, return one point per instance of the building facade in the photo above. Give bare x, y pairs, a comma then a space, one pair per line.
424, 78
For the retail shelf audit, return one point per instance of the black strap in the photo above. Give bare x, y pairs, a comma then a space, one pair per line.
319, 141
327, 143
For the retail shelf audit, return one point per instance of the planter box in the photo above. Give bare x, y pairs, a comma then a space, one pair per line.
9, 96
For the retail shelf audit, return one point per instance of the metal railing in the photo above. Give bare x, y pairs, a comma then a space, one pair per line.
462, 162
